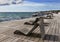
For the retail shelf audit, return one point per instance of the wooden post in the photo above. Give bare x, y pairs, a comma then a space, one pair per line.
41, 25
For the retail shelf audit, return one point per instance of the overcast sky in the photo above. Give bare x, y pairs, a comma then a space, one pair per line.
28, 5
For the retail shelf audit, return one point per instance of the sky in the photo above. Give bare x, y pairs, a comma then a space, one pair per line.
28, 5
43, 1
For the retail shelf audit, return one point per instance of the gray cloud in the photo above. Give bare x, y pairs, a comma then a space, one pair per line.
8, 2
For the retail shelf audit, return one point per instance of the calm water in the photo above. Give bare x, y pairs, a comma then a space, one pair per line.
6, 16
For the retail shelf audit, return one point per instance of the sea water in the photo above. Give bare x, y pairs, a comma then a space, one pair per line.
7, 16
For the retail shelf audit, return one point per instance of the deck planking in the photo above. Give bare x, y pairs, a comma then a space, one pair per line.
52, 33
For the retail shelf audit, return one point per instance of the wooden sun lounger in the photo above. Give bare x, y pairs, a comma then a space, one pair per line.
26, 29
37, 19
50, 15
32, 23
29, 28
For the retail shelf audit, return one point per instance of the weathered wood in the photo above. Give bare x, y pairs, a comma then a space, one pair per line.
26, 30
50, 15
42, 30
52, 29
3, 37
32, 23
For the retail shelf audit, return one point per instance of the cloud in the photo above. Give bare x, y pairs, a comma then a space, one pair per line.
20, 2
4, 2
27, 6
27, 3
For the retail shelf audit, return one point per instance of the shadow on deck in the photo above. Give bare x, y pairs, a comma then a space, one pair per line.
47, 36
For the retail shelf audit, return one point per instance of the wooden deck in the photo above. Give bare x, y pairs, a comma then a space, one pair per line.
52, 32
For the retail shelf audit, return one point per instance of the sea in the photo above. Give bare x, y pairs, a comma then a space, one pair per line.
7, 16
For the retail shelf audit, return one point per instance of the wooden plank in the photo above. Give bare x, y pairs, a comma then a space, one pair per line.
21, 40
59, 32
8, 40
3, 37
56, 32
48, 31
52, 33
57, 29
